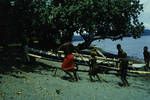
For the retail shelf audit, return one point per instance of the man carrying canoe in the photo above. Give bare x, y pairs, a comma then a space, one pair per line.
122, 55
146, 55
68, 64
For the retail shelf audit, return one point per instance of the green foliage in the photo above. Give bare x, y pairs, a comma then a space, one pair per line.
99, 19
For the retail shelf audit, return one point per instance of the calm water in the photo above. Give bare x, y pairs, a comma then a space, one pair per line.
133, 47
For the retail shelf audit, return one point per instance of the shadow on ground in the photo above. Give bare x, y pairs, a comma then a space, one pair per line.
13, 60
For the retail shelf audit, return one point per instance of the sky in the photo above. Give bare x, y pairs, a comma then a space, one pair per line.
145, 16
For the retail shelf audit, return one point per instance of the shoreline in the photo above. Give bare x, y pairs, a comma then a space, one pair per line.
133, 47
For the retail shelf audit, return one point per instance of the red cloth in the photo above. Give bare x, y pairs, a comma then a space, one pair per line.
68, 63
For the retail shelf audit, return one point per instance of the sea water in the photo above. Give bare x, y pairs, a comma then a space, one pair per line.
133, 47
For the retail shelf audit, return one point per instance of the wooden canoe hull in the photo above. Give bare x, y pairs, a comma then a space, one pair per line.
106, 63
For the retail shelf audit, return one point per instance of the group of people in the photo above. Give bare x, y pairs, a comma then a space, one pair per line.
122, 56
69, 65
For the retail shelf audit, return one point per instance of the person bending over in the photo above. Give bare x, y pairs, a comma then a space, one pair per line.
68, 65
93, 70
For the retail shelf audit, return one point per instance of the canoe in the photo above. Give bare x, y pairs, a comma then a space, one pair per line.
108, 63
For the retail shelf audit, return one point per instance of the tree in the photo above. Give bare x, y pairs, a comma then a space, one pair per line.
99, 19
4, 21
15, 18
92, 19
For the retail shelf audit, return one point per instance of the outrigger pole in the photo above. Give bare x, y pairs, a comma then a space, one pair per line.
33, 53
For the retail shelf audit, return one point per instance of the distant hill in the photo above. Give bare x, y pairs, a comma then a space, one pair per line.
79, 38
146, 32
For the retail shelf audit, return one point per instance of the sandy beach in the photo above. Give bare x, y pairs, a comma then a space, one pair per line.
112, 37
41, 84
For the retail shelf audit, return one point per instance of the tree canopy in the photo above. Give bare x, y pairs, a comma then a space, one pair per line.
99, 19
92, 19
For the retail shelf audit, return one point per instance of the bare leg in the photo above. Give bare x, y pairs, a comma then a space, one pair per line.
146, 65
123, 78
91, 79
69, 74
75, 75
98, 77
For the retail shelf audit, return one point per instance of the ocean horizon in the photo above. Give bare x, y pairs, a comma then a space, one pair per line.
133, 47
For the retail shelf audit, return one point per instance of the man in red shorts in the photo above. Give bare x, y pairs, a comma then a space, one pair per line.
68, 64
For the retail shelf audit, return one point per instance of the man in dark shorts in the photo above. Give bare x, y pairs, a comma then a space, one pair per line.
122, 55
146, 55
93, 70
